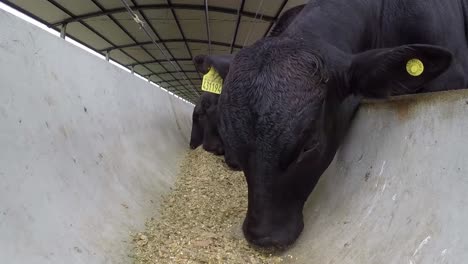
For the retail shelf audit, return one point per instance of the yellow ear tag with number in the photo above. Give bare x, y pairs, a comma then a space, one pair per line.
212, 82
415, 67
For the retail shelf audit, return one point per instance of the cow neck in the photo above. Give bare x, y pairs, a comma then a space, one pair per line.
327, 138
351, 27
335, 39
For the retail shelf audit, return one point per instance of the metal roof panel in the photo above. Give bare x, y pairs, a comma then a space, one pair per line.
179, 25
42, 9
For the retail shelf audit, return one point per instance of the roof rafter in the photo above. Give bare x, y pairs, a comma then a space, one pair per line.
148, 62
156, 7
234, 37
164, 45
112, 18
156, 61
201, 41
164, 72
181, 32
207, 24
63, 9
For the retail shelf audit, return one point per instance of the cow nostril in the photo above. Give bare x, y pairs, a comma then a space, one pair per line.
217, 150
208, 148
233, 166
266, 235
269, 243
257, 236
220, 151
263, 242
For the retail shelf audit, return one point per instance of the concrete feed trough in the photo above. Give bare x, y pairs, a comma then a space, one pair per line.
88, 150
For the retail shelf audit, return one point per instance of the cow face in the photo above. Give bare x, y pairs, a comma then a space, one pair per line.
284, 109
204, 125
205, 114
204, 130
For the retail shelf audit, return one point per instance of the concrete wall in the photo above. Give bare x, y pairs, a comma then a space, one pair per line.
397, 192
86, 150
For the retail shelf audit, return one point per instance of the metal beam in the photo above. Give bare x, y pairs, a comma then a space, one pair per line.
63, 9
156, 37
111, 17
177, 90
207, 24
63, 31
201, 41
234, 37
155, 61
174, 80
159, 73
156, 7
58, 29
181, 32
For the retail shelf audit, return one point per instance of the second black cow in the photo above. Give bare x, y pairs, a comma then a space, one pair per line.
205, 114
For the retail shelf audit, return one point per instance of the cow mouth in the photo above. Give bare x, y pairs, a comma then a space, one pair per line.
277, 238
195, 143
193, 146
216, 150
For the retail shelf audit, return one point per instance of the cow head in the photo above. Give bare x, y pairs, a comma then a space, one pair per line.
204, 125
205, 114
284, 109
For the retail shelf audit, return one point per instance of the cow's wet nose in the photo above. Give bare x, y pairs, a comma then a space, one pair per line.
195, 142
215, 148
193, 146
231, 162
276, 236
262, 239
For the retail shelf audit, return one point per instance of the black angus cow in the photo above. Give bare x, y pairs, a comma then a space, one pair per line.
287, 101
205, 114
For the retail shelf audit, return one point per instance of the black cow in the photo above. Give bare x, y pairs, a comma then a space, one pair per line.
204, 124
205, 114
287, 101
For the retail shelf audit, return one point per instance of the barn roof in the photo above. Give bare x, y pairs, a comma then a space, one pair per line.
176, 31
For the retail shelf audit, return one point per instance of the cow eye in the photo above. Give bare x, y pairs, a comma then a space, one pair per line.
289, 158
310, 150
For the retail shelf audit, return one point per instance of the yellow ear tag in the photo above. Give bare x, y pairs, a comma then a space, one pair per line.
212, 82
414, 67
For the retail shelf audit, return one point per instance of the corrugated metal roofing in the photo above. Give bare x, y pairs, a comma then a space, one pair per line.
180, 29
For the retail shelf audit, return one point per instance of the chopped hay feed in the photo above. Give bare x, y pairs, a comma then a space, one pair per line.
201, 218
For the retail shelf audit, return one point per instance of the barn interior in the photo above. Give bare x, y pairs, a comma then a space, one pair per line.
92, 139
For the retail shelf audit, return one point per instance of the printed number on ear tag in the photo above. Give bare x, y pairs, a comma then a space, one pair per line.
212, 82
414, 67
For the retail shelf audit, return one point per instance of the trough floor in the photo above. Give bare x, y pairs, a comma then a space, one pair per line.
200, 219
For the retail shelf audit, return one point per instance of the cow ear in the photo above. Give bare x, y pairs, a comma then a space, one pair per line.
221, 63
401, 70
